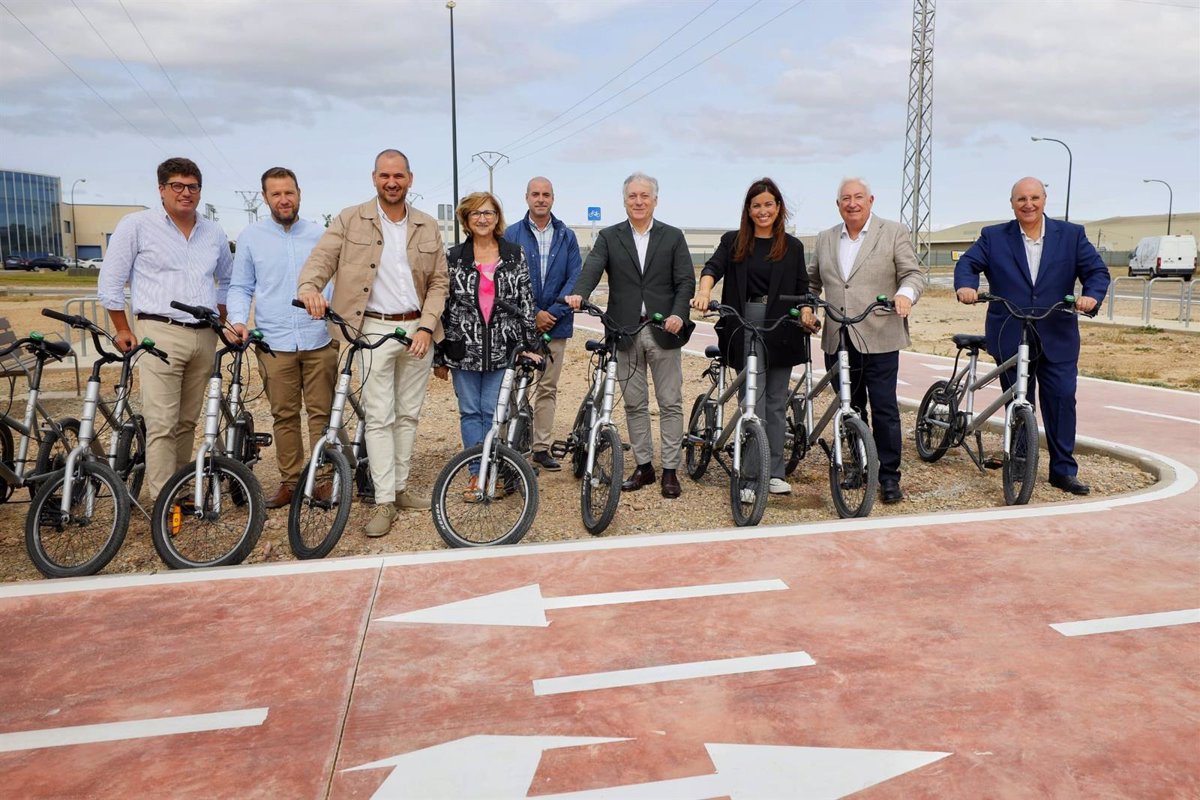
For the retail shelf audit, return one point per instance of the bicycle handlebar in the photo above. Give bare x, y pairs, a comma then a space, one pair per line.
83, 323
1066, 305
359, 341
838, 316
730, 311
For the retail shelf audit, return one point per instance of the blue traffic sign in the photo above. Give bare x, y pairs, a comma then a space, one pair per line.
593, 213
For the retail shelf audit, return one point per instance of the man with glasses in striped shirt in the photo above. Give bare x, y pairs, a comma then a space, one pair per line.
164, 254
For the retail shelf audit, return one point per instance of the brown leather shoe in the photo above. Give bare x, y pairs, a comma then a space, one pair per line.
670, 485
642, 476
282, 497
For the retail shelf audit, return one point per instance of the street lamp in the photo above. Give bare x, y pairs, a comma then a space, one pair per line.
453, 119
75, 230
1067, 213
1170, 199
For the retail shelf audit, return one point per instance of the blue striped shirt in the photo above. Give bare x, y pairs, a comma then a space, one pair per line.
151, 254
266, 270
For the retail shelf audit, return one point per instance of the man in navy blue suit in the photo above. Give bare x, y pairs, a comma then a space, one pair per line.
1033, 262
552, 253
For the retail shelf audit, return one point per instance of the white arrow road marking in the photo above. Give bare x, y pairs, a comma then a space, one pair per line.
527, 607
133, 729
670, 672
502, 768
1153, 414
473, 768
1161, 619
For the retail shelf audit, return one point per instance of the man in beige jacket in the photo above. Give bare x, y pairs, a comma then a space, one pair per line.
853, 263
390, 268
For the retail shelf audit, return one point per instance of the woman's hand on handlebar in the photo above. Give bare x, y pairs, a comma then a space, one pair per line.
701, 300
808, 320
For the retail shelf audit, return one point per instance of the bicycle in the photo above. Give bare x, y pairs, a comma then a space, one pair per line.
488, 494
594, 443
744, 438
321, 503
853, 459
54, 437
80, 514
943, 422
211, 512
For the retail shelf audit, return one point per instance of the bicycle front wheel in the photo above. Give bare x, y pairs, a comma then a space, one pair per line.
749, 484
935, 421
91, 533
316, 522
223, 529
471, 509
600, 490
697, 451
853, 483
1020, 464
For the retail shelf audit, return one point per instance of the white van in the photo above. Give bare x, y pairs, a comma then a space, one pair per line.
1164, 257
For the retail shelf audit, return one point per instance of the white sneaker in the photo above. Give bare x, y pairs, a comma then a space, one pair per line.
780, 486
748, 497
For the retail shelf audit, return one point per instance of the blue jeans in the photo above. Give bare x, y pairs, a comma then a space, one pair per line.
477, 393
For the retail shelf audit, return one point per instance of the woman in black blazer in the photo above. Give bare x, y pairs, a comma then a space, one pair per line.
760, 262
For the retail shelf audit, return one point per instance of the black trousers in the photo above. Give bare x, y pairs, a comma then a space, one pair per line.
873, 382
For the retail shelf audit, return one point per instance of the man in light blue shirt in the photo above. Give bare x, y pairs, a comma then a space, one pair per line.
266, 270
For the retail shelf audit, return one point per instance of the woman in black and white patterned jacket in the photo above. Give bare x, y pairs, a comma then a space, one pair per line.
489, 280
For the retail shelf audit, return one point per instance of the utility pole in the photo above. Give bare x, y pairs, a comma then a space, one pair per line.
252, 201
210, 212
491, 165
918, 140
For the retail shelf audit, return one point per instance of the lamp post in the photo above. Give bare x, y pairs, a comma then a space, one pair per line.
75, 230
1170, 199
1067, 213
453, 120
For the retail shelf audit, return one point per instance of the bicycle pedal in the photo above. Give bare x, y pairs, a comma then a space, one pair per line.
559, 449
993, 462
626, 446
262, 440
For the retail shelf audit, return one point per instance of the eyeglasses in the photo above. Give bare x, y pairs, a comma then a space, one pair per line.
485, 213
180, 188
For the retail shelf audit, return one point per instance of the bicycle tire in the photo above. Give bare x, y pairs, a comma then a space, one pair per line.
131, 455
579, 437
933, 440
1021, 462
754, 476
795, 433
85, 542
853, 486
6, 455
465, 518
600, 491
696, 455
316, 524
184, 540
54, 447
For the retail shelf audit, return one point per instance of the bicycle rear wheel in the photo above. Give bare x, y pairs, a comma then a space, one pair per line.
1020, 464
222, 531
579, 436
935, 421
54, 447
600, 490
697, 451
316, 522
475, 510
853, 484
749, 484
131, 455
87, 538
6, 455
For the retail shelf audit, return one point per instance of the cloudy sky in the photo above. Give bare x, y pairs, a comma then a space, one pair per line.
704, 95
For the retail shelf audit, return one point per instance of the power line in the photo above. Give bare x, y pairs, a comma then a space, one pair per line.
667, 82
178, 94
81, 79
642, 58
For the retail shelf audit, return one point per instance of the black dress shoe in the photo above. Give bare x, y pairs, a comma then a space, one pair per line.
1069, 483
642, 476
670, 485
890, 492
546, 461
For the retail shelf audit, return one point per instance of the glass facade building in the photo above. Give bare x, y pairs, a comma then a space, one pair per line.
30, 215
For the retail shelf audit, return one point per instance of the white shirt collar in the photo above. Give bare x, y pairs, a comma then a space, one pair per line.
866, 226
1041, 234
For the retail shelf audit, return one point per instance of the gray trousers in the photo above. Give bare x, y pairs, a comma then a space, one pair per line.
667, 369
772, 382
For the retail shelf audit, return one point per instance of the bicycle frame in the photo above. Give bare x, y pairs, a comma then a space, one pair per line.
604, 382
18, 476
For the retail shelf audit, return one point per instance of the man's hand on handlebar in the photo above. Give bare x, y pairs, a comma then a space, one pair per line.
314, 303
241, 330
421, 342
903, 305
1085, 304
672, 324
967, 295
574, 301
125, 340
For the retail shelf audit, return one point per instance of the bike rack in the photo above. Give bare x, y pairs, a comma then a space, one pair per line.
1112, 294
1148, 296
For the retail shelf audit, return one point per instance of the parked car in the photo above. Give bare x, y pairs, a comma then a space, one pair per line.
53, 263
17, 262
92, 263
1164, 257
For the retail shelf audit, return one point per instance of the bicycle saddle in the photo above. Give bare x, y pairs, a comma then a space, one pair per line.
712, 351
970, 341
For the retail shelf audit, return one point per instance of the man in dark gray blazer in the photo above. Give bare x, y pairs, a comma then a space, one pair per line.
649, 272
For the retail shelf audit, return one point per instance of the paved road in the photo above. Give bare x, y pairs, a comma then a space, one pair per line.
910, 657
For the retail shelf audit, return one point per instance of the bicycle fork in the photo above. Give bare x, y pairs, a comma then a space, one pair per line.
87, 428
332, 431
1021, 388
605, 418
212, 422
844, 407
487, 475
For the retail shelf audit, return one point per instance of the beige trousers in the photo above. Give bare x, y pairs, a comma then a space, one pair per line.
303, 377
545, 397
